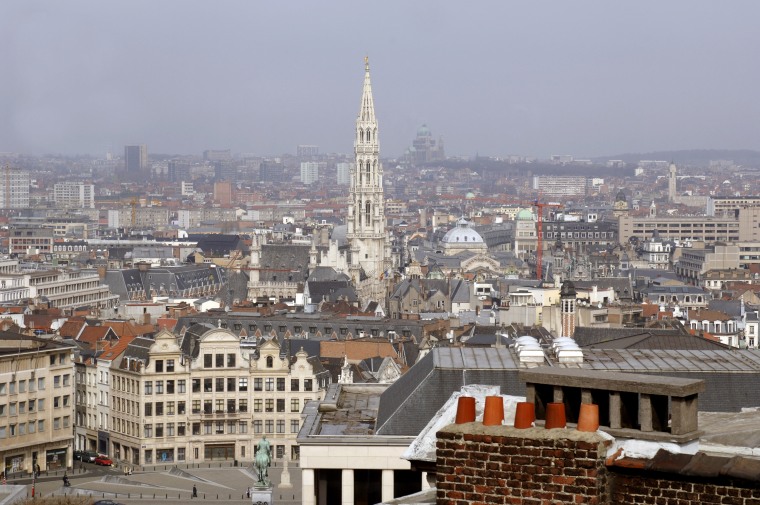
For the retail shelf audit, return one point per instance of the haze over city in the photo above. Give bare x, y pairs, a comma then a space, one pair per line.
496, 78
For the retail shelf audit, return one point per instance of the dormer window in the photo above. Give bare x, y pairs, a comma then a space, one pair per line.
270, 362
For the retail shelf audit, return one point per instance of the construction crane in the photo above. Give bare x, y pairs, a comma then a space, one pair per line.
236, 255
539, 205
540, 229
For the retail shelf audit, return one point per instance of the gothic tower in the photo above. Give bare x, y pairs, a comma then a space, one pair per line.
366, 209
567, 299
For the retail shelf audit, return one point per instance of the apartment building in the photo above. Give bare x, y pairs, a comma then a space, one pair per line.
694, 263
75, 195
204, 396
14, 188
580, 235
141, 217
560, 185
683, 228
70, 289
309, 172
36, 403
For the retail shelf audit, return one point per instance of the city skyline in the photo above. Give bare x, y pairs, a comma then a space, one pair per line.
492, 78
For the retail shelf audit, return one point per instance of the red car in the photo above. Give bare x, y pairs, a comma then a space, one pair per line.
103, 460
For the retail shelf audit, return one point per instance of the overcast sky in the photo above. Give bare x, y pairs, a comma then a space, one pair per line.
493, 77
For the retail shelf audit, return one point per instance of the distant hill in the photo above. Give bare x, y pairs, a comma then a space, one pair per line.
692, 157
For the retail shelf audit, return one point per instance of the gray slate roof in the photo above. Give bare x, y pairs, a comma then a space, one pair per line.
409, 403
284, 262
732, 379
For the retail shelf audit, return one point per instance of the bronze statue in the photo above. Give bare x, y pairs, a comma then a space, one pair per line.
262, 461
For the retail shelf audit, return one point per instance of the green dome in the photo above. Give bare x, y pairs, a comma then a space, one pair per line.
423, 131
524, 215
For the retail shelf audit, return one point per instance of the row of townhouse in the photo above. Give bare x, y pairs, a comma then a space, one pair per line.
202, 396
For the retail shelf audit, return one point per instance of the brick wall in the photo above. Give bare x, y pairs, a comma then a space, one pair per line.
479, 464
638, 488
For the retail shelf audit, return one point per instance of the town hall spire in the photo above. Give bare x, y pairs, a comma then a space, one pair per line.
366, 211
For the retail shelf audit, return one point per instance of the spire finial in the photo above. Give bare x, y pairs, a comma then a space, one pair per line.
366, 63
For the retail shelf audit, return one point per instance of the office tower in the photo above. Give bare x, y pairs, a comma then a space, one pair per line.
272, 171
135, 158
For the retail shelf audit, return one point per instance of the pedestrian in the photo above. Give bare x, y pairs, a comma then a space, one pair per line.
248, 492
195, 491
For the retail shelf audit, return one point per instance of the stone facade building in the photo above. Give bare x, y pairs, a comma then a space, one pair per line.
204, 397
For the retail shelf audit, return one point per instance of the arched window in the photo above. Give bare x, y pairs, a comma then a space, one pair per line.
369, 170
369, 135
270, 362
368, 212
361, 135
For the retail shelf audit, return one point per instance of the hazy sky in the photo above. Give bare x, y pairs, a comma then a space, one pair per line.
494, 77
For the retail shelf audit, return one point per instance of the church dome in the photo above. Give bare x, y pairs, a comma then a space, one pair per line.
462, 233
524, 215
423, 131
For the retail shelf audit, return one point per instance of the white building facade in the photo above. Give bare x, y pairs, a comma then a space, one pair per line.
309, 172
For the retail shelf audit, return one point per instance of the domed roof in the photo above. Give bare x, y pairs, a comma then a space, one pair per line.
524, 215
423, 131
470, 195
462, 233
620, 197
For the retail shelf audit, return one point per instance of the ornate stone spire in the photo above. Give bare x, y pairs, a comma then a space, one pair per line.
367, 108
366, 212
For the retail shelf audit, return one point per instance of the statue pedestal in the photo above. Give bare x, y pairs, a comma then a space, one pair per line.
285, 478
261, 496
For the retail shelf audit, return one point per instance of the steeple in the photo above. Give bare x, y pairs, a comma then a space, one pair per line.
366, 209
367, 108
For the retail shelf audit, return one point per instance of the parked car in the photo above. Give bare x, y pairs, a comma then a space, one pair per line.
86, 456
106, 502
103, 461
